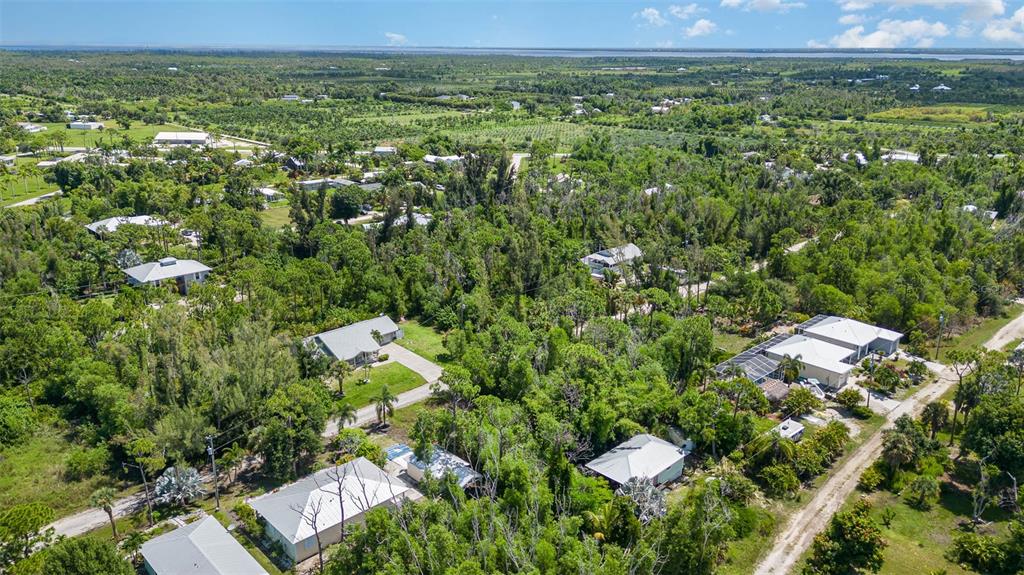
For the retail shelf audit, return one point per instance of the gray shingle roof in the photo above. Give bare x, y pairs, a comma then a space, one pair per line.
346, 343
200, 548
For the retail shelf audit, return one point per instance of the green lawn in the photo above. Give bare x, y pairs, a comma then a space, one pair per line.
396, 376
277, 215
423, 340
33, 472
980, 333
732, 343
18, 189
88, 138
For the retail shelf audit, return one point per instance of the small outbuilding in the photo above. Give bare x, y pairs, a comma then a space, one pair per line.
643, 456
789, 429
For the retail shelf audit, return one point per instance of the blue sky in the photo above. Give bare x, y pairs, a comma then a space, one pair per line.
517, 23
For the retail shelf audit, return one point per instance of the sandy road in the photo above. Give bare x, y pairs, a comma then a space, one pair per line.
801, 528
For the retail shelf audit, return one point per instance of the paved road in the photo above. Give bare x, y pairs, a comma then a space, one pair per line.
33, 201
799, 532
427, 369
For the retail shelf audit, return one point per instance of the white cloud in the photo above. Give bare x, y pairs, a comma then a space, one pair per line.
816, 44
685, 11
665, 44
764, 5
892, 34
1006, 29
701, 27
973, 9
396, 39
851, 19
652, 16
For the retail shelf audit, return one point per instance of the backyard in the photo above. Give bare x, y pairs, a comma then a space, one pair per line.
395, 376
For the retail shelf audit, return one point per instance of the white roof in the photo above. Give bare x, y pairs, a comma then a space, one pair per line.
110, 225
789, 428
269, 192
814, 352
385, 150
432, 159
643, 456
181, 136
851, 331
345, 343
363, 487
614, 256
244, 162
203, 547
166, 268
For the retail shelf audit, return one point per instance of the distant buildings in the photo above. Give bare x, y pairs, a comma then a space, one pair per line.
182, 139
641, 457
355, 343
202, 547
433, 160
385, 150
80, 125
612, 258
901, 156
290, 97
941, 88
184, 273
31, 128
110, 225
288, 512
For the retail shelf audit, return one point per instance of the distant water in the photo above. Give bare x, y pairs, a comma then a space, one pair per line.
638, 53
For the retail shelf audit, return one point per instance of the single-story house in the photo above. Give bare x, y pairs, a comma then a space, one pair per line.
612, 258
858, 336
434, 160
182, 139
7, 160
399, 222
287, 512
901, 156
184, 273
354, 343
789, 429
315, 184
79, 125
824, 361
110, 225
270, 194
31, 128
202, 547
290, 97
385, 150
643, 456
401, 458
243, 163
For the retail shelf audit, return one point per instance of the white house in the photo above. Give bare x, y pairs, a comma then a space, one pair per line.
789, 429
288, 512
202, 547
110, 225
441, 462
7, 160
182, 139
644, 457
79, 125
270, 194
901, 156
184, 273
385, 150
434, 160
31, 128
354, 343
290, 97
824, 361
941, 88
612, 258
857, 336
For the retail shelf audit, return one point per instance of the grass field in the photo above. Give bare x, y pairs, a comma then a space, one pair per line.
33, 472
946, 114
88, 138
276, 216
396, 376
423, 340
731, 342
18, 189
980, 333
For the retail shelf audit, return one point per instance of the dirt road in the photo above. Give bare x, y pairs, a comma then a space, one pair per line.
799, 532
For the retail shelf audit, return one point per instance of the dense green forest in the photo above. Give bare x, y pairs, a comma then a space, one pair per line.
546, 367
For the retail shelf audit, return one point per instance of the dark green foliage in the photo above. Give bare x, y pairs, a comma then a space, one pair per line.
84, 556
852, 543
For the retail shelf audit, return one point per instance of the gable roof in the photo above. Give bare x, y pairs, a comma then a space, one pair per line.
815, 352
165, 268
364, 486
349, 341
643, 456
110, 225
616, 255
849, 330
201, 548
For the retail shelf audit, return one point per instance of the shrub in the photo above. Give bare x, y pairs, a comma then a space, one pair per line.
849, 398
16, 420
980, 552
871, 479
84, 463
383, 357
862, 412
779, 480
247, 517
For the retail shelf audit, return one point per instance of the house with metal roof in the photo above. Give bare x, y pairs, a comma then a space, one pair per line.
821, 360
355, 343
110, 225
182, 139
858, 336
401, 458
643, 456
611, 258
288, 512
184, 273
203, 547
81, 125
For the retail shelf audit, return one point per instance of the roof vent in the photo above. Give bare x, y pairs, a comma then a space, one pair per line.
168, 261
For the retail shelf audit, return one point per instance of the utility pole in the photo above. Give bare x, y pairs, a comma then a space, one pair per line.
938, 340
213, 462
145, 486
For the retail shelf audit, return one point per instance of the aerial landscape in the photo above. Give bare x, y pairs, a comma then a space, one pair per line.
446, 287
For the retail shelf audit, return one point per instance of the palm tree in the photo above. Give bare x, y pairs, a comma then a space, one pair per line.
385, 404
923, 490
791, 367
935, 416
346, 413
132, 543
779, 448
232, 457
103, 498
339, 371
601, 521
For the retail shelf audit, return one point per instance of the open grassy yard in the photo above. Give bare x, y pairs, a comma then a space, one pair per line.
17, 189
88, 138
423, 340
276, 216
33, 472
732, 343
396, 376
981, 332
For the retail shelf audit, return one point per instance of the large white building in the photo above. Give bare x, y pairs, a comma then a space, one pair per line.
110, 225
80, 125
288, 512
612, 258
182, 139
821, 360
858, 336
